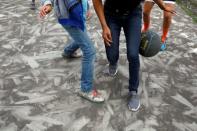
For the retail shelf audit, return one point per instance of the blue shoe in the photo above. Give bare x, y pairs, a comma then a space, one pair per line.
163, 46
134, 101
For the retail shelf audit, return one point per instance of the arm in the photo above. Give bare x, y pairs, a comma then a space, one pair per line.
98, 6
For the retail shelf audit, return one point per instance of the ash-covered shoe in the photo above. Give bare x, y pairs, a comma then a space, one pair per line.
76, 54
111, 70
93, 96
134, 101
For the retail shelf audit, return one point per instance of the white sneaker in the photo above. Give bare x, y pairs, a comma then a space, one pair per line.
92, 96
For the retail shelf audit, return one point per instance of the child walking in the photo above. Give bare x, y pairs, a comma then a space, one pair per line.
71, 15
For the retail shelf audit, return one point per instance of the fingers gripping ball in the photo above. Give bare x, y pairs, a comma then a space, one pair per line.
150, 44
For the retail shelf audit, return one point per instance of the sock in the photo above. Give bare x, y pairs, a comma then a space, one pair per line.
165, 34
145, 27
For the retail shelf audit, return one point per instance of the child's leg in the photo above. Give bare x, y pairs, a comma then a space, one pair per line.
148, 5
72, 46
83, 41
167, 21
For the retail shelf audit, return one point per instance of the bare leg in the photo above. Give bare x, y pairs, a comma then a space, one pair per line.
167, 22
148, 5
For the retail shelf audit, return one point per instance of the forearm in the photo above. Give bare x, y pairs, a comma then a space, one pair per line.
98, 6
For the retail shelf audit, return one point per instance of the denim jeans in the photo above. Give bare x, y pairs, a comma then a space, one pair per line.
131, 24
81, 40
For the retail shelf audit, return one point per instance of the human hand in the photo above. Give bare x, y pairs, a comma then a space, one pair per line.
107, 36
45, 10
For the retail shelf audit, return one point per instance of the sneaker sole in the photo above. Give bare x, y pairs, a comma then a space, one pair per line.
134, 110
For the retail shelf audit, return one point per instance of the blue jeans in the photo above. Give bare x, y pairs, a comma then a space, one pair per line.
81, 40
131, 24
